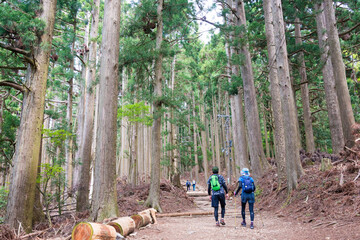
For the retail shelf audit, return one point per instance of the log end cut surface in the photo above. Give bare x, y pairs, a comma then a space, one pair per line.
82, 231
89, 231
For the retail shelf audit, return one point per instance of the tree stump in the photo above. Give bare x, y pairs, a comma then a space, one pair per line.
123, 225
93, 231
325, 164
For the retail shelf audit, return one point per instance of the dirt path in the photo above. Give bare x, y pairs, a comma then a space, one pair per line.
267, 226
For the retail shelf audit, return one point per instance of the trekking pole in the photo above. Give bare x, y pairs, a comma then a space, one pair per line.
261, 217
235, 211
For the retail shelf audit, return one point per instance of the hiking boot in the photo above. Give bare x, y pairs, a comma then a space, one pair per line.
243, 223
252, 225
217, 224
222, 221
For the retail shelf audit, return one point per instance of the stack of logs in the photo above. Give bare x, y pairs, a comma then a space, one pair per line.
116, 228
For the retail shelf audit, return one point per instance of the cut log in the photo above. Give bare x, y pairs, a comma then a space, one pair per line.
152, 212
184, 214
123, 225
146, 218
93, 231
197, 194
138, 220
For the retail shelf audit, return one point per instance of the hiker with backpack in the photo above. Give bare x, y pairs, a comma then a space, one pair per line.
247, 184
187, 185
194, 184
216, 189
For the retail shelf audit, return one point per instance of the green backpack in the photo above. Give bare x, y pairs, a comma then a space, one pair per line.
215, 185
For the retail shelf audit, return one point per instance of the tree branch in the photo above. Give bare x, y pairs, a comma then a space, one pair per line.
349, 30
13, 68
13, 85
14, 49
80, 59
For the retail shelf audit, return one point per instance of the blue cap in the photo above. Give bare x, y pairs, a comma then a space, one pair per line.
245, 172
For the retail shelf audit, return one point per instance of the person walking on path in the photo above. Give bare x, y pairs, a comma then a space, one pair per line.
247, 184
194, 183
187, 185
216, 189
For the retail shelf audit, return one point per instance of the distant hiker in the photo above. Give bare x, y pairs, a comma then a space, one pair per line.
217, 188
247, 184
193, 183
188, 184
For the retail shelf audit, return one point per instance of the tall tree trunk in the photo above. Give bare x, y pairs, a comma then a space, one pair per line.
346, 112
153, 199
216, 133
80, 114
124, 151
292, 80
204, 140
243, 144
140, 152
105, 196
212, 132
267, 146
257, 156
279, 134
69, 116
196, 168
38, 215
23, 179
82, 202
174, 156
309, 135
337, 135
293, 164
237, 113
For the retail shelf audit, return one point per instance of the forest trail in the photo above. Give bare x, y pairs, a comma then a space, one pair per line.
267, 226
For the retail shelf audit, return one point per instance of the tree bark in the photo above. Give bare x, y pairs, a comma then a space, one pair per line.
82, 202
124, 151
346, 112
196, 168
216, 133
257, 156
337, 135
23, 181
309, 135
293, 164
104, 201
69, 116
153, 199
279, 136
80, 115
212, 132
204, 140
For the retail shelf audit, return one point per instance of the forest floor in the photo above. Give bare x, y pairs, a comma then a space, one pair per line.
326, 205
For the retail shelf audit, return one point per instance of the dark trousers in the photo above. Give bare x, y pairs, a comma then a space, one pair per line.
251, 209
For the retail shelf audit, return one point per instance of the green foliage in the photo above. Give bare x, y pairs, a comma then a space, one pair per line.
3, 201
51, 174
56, 136
136, 113
48, 171
19, 23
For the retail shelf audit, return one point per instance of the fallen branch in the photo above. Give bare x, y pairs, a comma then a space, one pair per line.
351, 150
357, 176
322, 223
33, 234
187, 214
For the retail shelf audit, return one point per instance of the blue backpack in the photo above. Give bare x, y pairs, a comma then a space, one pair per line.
247, 184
